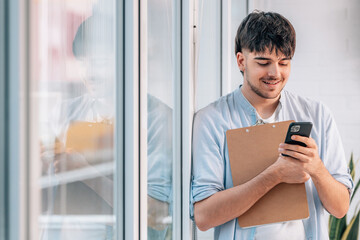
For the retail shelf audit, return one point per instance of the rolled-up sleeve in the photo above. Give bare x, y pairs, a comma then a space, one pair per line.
334, 155
207, 160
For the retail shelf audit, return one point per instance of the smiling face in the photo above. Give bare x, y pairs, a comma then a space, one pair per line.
265, 74
94, 45
100, 75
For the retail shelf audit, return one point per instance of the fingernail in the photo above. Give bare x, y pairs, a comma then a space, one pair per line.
293, 137
280, 149
282, 145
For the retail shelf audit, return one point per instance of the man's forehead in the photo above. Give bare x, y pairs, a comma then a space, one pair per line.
268, 55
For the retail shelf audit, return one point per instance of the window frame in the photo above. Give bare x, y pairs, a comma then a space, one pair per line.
188, 108
119, 124
131, 120
14, 118
3, 175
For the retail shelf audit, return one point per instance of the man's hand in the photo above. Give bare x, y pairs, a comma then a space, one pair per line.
333, 194
290, 170
61, 160
308, 156
157, 211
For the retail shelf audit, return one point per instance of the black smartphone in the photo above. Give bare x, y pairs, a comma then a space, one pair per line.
298, 128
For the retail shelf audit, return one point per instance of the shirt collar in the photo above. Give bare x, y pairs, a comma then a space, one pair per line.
246, 105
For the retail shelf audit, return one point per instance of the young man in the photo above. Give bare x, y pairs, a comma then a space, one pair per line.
264, 47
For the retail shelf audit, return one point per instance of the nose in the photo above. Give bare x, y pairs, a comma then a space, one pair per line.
274, 71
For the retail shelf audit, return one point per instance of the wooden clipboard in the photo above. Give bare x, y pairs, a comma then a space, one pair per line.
251, 151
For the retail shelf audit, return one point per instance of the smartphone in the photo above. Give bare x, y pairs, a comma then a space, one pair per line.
298, 128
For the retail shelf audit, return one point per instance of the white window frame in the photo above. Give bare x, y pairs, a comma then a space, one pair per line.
188, 106
3, 175
131, 120
17, 217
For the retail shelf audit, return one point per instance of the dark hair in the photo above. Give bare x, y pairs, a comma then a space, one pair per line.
266, 30
94, 36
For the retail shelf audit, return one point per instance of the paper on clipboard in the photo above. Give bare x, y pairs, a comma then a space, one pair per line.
251, 151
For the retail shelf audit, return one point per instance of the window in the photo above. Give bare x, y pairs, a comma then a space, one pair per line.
100, 115
73, 112
163, 136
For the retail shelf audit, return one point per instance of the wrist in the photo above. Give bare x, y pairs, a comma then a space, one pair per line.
319, 172
273, 175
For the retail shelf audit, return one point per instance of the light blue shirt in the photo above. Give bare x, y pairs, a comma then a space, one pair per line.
160, 153
211, 169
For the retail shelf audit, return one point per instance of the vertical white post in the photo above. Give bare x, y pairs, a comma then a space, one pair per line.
143, 117
187, 72
20, 150
250, 5
177, 121
31, 108
226, 52
131, 161
16, 114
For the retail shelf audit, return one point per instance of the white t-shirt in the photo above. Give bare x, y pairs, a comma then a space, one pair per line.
293, 230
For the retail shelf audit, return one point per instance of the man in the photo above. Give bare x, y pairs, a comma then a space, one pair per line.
264, 46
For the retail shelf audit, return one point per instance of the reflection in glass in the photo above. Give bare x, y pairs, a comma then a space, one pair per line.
160, 118
159, 169
75, 85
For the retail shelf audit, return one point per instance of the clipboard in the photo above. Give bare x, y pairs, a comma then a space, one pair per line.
94, 140
251, 151
89, 136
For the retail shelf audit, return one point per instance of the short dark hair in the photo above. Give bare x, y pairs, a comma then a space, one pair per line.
266, 30
94, 36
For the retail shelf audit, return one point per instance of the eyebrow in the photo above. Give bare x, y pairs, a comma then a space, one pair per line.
264, 58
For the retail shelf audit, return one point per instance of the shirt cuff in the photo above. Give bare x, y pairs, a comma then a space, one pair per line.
199, 196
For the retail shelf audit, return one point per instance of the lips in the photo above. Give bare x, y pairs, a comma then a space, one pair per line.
272, 82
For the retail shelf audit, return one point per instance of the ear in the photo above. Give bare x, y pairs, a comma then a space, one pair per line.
240, 59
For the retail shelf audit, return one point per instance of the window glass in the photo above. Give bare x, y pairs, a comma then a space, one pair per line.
208, 62
238, 13
208, 53
160, 128
73, 87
